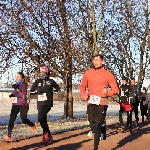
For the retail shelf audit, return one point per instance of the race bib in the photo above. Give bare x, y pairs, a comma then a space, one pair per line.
42, 97
94, 99
14, 99
122, 93
144, 102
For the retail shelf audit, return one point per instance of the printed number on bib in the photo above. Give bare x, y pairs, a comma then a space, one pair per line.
14, 99
94, 99
42, 97
144, 102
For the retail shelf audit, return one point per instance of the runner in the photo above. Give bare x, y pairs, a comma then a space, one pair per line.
19, 104
144, 104
125, 104
96, 79
43, 87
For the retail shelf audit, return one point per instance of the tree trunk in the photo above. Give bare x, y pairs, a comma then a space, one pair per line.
141, 73
68, 105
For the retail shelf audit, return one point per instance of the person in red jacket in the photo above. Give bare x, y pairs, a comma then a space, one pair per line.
96, 80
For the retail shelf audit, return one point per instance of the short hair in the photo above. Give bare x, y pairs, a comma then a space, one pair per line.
132, 78
125, 78
98, 55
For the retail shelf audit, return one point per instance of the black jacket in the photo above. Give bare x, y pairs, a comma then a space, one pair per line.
124, 93
143, 104
143, 101
41, 86
135, 94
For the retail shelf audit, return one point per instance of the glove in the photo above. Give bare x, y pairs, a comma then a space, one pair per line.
11, 95
15, 86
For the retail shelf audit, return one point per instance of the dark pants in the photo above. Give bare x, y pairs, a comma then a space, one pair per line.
42, 117
149, 111
23, 115
129, 117
144, 109
96, 117
135, 109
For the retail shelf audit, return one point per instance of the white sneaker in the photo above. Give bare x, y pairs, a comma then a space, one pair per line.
90, 134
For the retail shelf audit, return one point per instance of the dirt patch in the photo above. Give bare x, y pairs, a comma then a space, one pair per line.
78, 140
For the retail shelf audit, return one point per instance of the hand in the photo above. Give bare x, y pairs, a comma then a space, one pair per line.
28, 101
85, 97
11, 95
105, 91
15, 86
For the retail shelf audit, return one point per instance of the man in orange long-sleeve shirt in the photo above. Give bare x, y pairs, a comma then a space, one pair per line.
96, 80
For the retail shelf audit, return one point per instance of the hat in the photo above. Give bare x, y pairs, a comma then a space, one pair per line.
125, 78
44, 69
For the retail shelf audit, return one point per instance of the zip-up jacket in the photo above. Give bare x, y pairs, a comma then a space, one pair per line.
96, 80
21, 93
41, 86
135, 94
124, 93
143, 101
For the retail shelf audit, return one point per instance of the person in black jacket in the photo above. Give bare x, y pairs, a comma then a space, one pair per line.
44, 89
125, 104
135, 99
144, 104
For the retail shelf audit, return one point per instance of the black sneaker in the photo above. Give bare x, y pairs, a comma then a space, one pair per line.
137, 124
130, 128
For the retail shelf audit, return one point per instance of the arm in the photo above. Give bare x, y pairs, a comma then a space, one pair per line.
56, 86
148, 97
21, 91
114, 87
83, 85
33, 89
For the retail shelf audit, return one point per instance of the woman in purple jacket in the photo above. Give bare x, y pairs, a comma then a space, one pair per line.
19, 104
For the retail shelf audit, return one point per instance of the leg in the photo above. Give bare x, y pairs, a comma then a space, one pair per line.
100, 128
97, 135
136, 115
120, 117
42, 118
13, 115
23, 115
129, 117
146, 111
142, 118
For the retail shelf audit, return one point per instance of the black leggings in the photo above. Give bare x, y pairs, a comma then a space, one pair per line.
23, 115
42, 117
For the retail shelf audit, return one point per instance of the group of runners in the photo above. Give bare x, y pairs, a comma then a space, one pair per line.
93, 89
